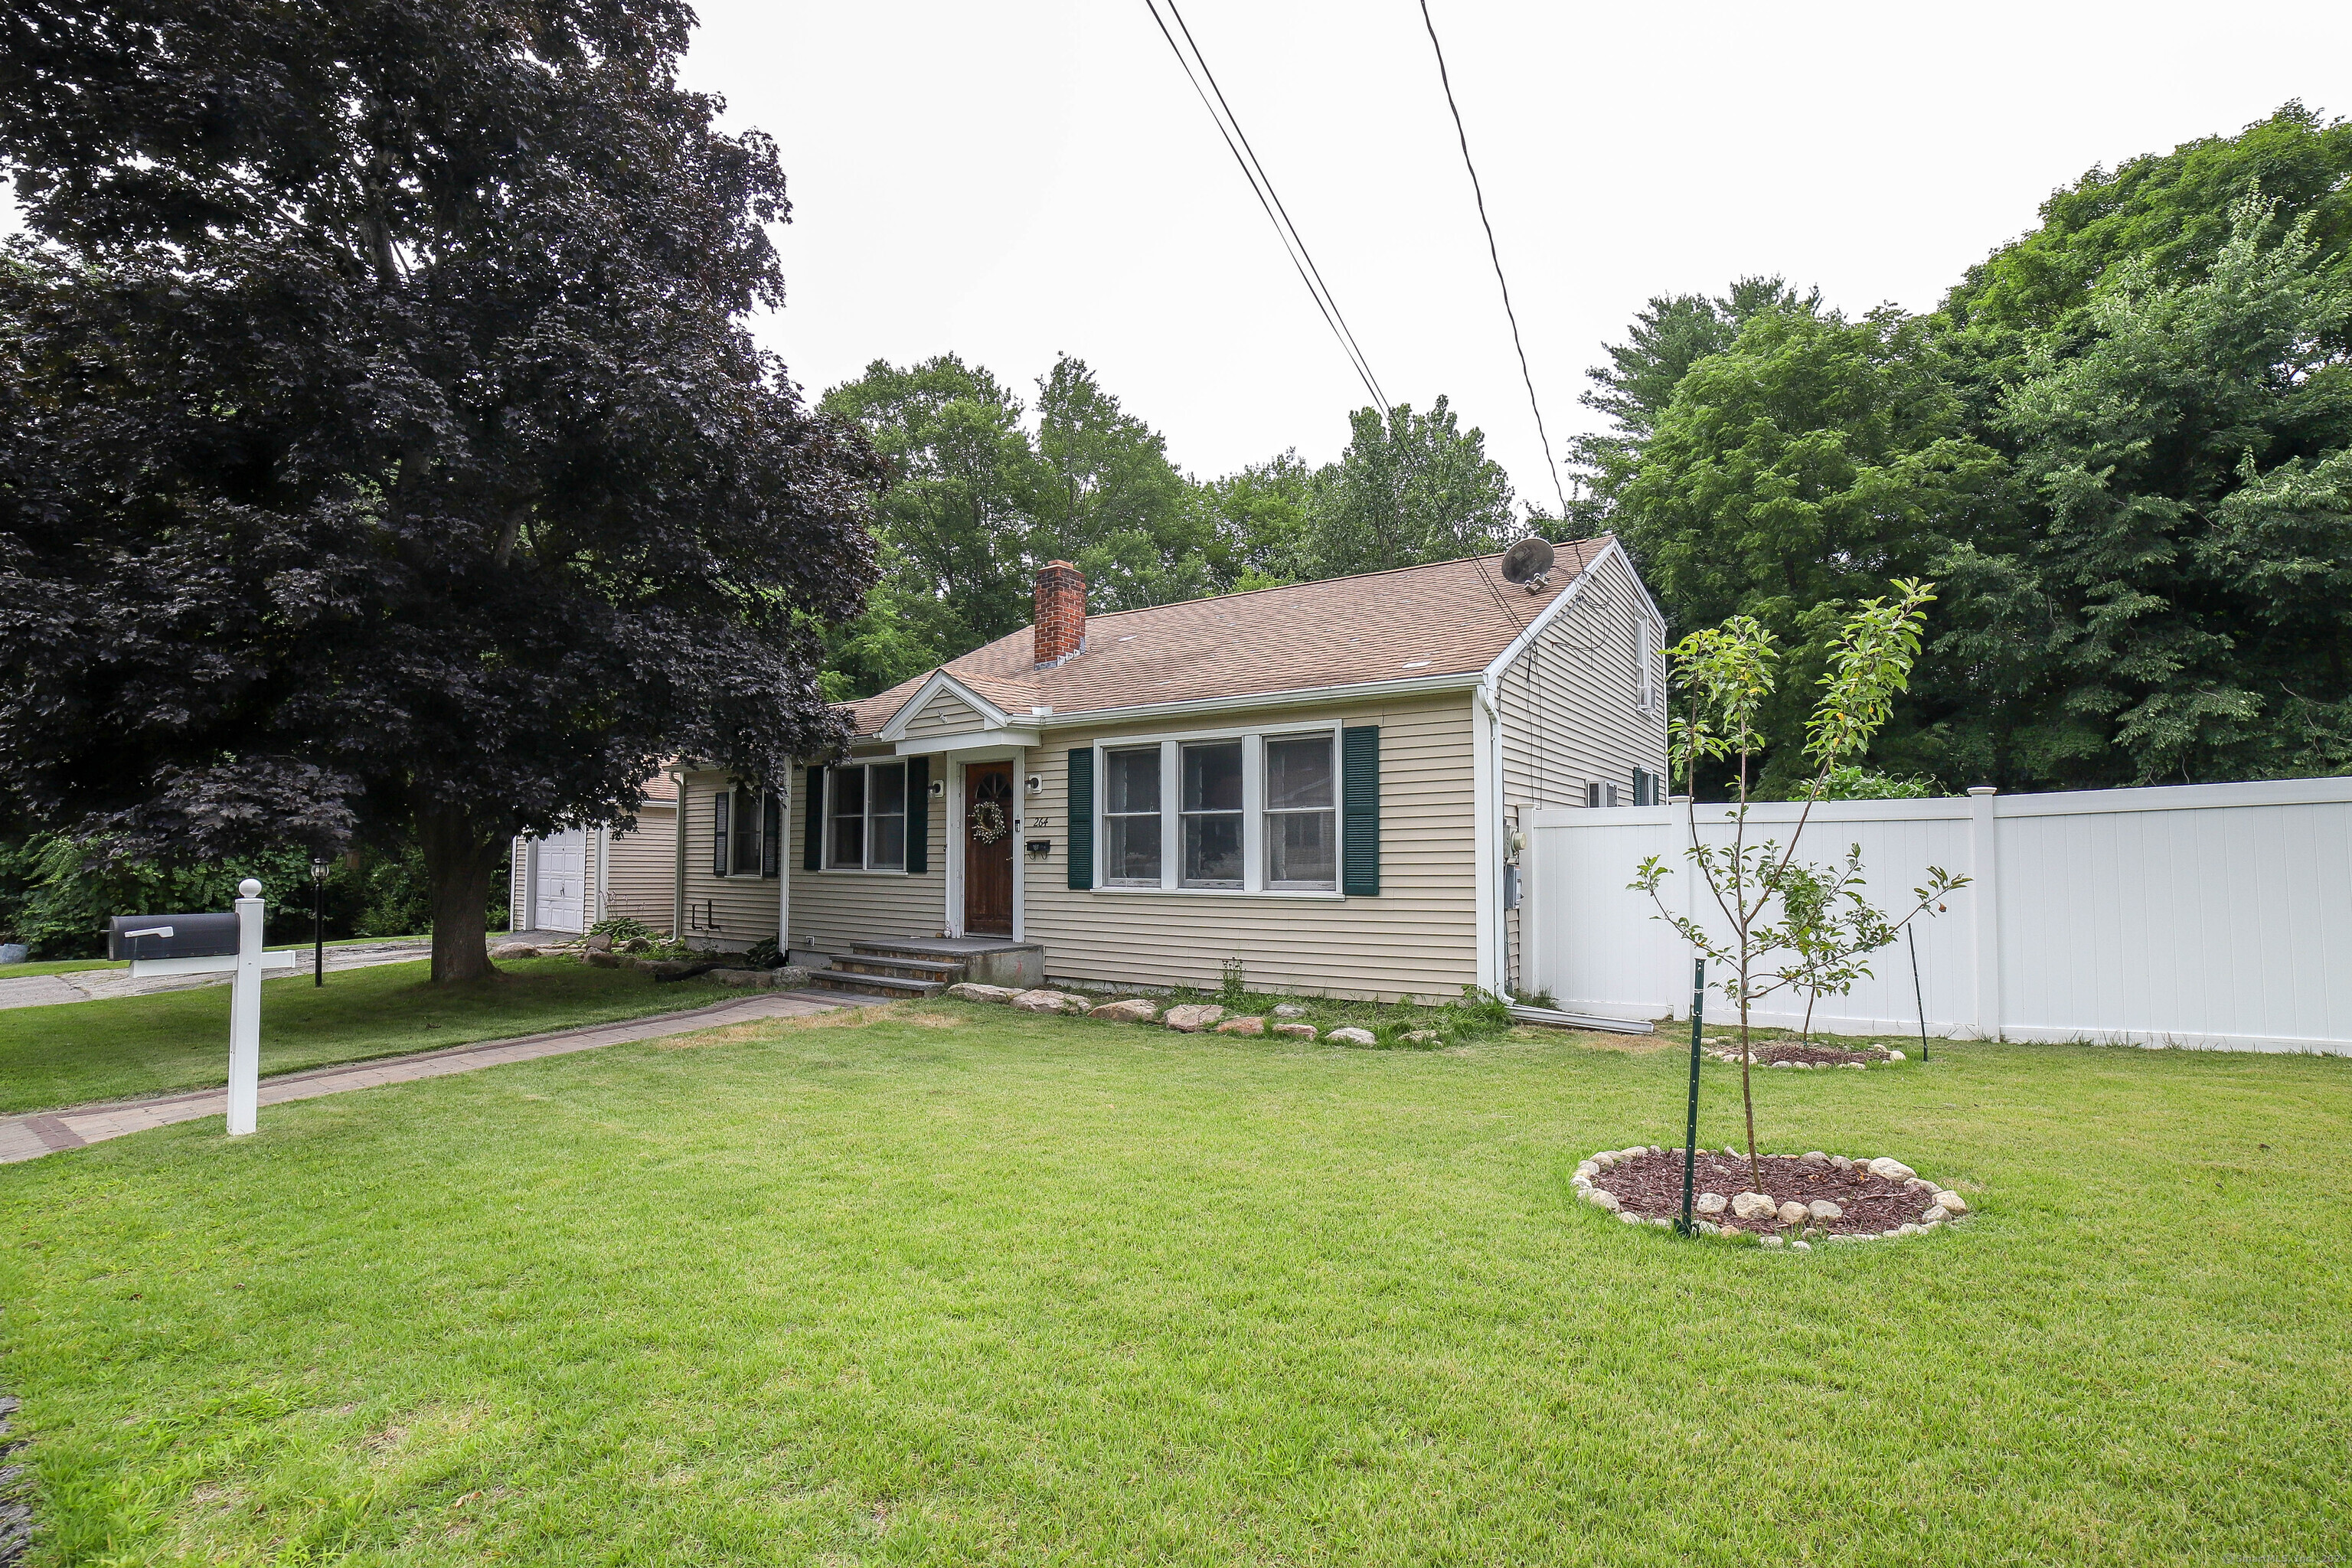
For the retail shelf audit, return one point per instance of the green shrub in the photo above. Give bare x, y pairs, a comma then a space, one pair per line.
621, 929
57, 893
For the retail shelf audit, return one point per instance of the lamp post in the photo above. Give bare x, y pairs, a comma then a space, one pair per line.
317, 922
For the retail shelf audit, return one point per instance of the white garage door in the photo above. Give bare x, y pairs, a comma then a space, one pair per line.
558, 899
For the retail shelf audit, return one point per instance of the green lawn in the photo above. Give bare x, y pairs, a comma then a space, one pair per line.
81, 1051
945, 1284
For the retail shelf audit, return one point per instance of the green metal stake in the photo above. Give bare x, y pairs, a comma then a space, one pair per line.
1912, 936
1690, 1121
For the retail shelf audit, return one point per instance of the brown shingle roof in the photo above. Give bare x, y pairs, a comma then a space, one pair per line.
1449, 618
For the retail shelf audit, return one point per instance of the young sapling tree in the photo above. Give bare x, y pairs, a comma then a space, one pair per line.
1727, 672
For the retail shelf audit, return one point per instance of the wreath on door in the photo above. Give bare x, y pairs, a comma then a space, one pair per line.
987, 822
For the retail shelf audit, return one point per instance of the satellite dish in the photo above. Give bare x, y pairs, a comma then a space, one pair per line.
1527, 562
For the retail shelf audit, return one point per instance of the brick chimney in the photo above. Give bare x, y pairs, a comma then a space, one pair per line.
1061, 613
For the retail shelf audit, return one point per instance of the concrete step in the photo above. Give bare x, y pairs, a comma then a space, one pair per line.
946, 972
892, 986
934, 948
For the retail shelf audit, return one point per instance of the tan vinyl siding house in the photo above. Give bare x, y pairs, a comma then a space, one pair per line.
1418, 937
1319, 781
832, 908
731, 910
566, 882
1577, 717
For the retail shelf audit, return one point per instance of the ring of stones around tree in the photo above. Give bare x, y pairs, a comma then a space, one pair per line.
1287, 1020
1801, 1055
1805, 1198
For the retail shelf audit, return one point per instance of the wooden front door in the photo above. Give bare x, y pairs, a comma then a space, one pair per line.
988, 850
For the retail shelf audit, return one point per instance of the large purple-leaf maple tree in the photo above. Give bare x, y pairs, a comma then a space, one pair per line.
383, 453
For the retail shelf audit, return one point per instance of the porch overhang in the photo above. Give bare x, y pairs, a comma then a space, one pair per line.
1006, 741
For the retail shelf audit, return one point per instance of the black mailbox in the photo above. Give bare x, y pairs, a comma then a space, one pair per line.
170, 936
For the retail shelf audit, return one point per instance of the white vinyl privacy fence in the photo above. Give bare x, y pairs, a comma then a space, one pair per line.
2208, 915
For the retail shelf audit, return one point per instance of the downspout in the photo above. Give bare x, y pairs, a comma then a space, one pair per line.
677, 882
785, 866
1486, 812
604, 875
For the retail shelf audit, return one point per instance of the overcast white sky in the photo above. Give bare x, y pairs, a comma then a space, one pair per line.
1017, 178
1012, 179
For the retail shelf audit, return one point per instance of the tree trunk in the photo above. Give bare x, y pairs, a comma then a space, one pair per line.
459, 861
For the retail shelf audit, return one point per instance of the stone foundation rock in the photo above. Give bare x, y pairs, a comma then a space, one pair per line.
1050, 1001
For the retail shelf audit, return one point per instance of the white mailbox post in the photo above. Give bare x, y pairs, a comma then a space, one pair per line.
249, 963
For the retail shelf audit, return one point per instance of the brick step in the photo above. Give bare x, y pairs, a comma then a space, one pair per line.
945, 971
891, 985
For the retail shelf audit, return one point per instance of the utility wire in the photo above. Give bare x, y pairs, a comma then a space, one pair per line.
1494, 254
1355, 350
1229, 126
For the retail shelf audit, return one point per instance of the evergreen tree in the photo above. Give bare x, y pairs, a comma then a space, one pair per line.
1668, 336
1408, 488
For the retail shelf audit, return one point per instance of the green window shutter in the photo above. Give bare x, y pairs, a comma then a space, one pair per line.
772, 835
719, 826
812, 835
1082, 816
1359, 810
918, 816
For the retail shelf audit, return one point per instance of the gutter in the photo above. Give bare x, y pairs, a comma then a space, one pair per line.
1290, 697
677, 879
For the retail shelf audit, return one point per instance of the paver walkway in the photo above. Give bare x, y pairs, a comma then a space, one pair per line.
30, 1137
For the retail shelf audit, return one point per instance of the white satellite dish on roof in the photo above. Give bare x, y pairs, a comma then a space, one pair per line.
1527, 564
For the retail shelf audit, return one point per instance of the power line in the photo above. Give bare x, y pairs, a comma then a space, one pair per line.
1229, 126
1494, 254
1355, 351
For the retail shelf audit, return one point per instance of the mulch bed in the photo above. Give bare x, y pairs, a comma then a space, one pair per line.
1652, 1185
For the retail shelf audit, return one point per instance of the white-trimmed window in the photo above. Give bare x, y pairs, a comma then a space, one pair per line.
1302, 812
1131, 815
1645, 654
1256, 813
866, 817
746, 834
1211, 812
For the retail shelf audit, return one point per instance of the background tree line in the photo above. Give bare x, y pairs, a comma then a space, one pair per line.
986, 486
2122, 446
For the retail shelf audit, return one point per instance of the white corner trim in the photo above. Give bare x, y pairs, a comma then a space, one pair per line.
993, 716
1485, 836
